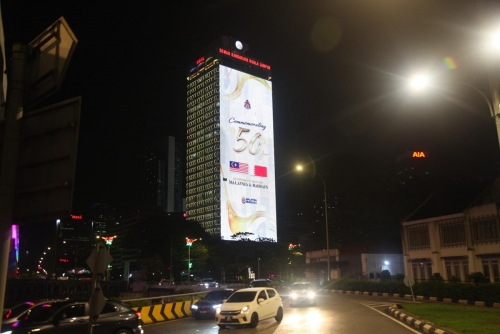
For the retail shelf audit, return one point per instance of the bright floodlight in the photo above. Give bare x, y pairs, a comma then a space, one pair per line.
299, 167
495, 40
419, 82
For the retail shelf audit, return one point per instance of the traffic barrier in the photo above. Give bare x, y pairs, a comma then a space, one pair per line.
165, 312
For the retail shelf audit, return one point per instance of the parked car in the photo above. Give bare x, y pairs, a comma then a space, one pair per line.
73, 317
302, 293
206, 306
208, 283
249, 306
17, 312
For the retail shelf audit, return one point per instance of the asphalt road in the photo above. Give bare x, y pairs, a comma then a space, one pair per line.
333, 314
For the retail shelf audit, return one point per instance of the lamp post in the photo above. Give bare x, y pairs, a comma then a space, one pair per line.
421, 82
189, 243
258, 268
109, 241
300, 168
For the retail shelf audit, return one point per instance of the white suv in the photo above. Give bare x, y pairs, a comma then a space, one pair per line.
249, 306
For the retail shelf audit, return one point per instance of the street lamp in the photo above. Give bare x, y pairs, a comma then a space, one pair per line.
189, 243
300, 168
421, 81
109, 241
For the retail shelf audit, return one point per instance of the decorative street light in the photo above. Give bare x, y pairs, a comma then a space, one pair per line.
109, 240
189, 243
300, 168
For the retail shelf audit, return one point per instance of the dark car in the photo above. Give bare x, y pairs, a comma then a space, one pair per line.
73, 317
17, 312
208, 283
261, 283
206, 306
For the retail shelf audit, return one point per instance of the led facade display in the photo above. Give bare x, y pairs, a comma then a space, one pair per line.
247, 180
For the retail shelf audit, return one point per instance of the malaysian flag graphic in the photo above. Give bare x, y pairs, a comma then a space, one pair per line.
238, 167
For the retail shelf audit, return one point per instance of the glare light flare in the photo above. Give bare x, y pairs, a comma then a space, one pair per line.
495, 40
419, 82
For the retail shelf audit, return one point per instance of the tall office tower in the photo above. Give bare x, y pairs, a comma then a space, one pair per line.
230, 182
414, 169
163, 175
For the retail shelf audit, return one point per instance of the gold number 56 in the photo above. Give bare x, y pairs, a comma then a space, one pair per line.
253, 150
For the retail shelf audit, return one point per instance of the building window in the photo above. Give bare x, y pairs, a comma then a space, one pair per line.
456, 267
422, 271
415, 270
429, 269
485, 230
486, 269
418, 237
452, 233
448, 269
494, 267
466, 268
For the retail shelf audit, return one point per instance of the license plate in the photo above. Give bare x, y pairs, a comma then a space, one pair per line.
203, 311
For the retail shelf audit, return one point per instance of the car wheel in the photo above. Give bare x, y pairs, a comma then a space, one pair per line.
279, 315
254, 321
123, 331
197, 317
222, 326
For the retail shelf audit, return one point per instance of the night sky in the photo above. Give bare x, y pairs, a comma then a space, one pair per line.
340, 71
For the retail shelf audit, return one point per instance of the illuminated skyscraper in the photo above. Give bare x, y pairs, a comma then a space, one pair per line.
230, 182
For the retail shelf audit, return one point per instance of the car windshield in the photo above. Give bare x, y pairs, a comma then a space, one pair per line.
17, 310
302, 286
241, 297
217, 295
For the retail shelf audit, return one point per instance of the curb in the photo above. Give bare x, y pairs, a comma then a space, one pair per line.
164, 312
422, 326
437, 299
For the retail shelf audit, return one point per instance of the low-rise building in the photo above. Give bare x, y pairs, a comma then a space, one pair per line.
455, 244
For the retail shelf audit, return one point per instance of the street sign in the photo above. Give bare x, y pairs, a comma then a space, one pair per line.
47, 162
50, 55
408, 281
97, 301
98, 261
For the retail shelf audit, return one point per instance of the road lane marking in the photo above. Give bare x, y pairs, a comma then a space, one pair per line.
385, 315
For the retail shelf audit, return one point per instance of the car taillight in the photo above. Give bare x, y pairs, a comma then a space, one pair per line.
138, 314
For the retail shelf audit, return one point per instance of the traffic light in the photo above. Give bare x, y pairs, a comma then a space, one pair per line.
190, 265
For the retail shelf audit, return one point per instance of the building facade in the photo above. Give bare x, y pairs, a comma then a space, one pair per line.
456, 245
163, 175
230, 185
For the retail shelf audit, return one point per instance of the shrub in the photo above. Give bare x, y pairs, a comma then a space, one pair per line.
477, 277
385, 275
436, 277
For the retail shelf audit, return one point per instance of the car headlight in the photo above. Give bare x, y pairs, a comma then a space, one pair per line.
311, 294
245, 309
217, 310
293, 295
217, 306
194, 307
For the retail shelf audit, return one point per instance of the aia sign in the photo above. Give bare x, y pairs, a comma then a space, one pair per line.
418, 155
